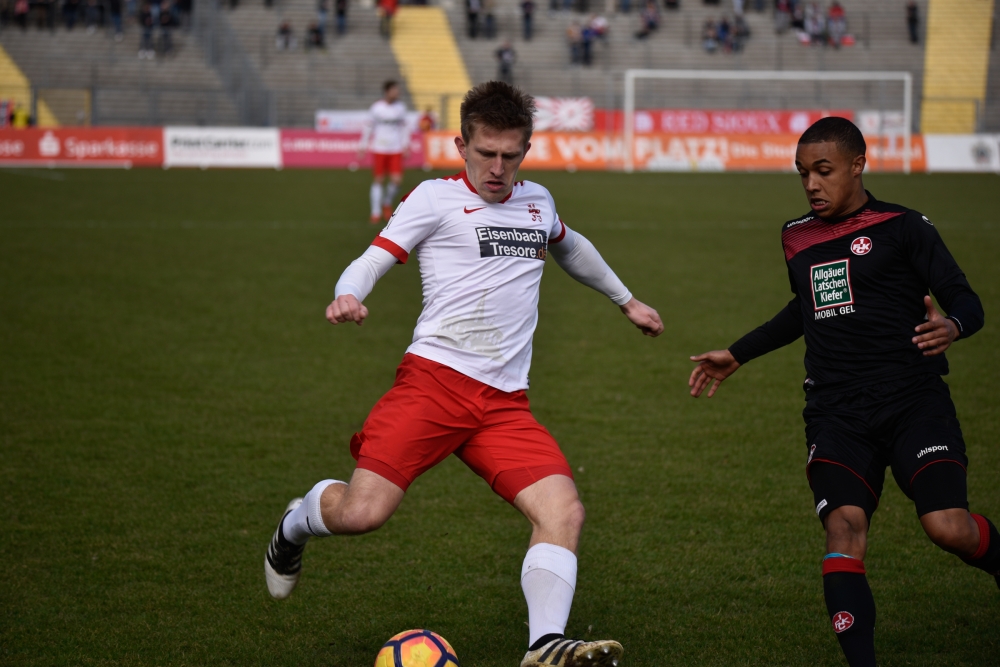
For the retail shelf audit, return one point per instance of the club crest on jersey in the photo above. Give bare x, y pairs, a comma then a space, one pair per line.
535, 212
861, 245
842, 620
831, 284
509, 242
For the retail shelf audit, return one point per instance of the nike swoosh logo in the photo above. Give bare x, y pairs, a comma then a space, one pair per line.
473, 210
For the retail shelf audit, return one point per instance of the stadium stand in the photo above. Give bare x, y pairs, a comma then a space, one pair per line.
347, 74
425, 48
543, 63
92, 78
231, 59
958, 54
16, 90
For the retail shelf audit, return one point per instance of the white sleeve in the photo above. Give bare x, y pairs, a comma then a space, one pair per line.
360, 277
416, 217
579, 258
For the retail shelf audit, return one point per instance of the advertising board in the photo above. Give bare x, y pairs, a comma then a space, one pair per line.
308, 148
721, 121
221, 147
83, 146
670, 152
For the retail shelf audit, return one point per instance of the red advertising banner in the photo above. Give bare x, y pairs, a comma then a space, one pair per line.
706, 121
83, 146
308, 148
671, 152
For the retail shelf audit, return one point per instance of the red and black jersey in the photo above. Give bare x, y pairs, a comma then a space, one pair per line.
859, 283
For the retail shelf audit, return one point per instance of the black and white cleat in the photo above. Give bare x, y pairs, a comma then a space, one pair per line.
283, 560
575, 653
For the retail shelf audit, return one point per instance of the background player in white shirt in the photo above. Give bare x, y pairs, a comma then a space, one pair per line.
387, 137
481, 240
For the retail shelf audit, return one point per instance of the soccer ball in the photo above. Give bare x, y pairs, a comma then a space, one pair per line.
417, 648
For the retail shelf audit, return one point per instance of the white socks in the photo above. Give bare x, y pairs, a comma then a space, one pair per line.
548, 579
306, 520
390, 193
375, 195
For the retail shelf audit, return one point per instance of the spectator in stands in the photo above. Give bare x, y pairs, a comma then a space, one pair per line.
340, 9
672, 5
587, 45
913, 20
836, 23
782, 16
724, 34
427, 121
489, 19
94, 16
146, 23
21, 8
708, 36
506, 57
815, 24
70, 9
625, 6
322, 15
599, 25
798, 15
472, 8
574, 37
285, 40
649, 20
528, 18
314, 36
737, 7
115, 11
166, 27
387, 11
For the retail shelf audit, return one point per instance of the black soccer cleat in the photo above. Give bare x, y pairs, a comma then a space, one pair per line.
564, 652
283, 560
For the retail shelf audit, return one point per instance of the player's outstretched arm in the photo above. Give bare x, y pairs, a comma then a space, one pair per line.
713, 367
580, 259
646, 319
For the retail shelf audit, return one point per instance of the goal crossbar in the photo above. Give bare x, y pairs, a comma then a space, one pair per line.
632, 75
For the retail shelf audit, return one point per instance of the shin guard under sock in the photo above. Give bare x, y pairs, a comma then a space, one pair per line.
987, 556
852, 608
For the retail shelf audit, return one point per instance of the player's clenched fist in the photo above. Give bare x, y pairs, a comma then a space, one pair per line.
346, 308
645, 318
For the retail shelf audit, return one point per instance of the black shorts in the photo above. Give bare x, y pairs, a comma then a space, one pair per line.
907, 424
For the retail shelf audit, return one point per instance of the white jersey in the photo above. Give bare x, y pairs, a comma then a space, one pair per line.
387, 131
481, 268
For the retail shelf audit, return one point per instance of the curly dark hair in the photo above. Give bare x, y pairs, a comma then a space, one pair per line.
498, 106
839, 131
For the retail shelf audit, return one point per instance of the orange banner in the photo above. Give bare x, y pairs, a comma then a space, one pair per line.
672, 152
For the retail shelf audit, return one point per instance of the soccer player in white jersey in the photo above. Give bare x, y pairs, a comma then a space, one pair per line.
387, 137
481, 240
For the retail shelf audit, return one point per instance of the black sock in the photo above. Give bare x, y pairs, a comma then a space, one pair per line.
987, 557
852, 609
545, 639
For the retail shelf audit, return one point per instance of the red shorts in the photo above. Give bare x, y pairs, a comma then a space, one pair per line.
433, 411
387, 163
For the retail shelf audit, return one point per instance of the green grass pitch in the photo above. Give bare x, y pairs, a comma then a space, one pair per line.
168, 382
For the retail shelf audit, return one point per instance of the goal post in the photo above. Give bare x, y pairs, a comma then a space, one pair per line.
634, 75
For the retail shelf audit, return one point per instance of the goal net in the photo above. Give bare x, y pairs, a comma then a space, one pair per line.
750, 119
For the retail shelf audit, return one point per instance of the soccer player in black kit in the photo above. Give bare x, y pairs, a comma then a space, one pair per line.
860, 270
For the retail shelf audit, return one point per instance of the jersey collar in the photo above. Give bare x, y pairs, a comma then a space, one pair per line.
852, 214
464, 177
